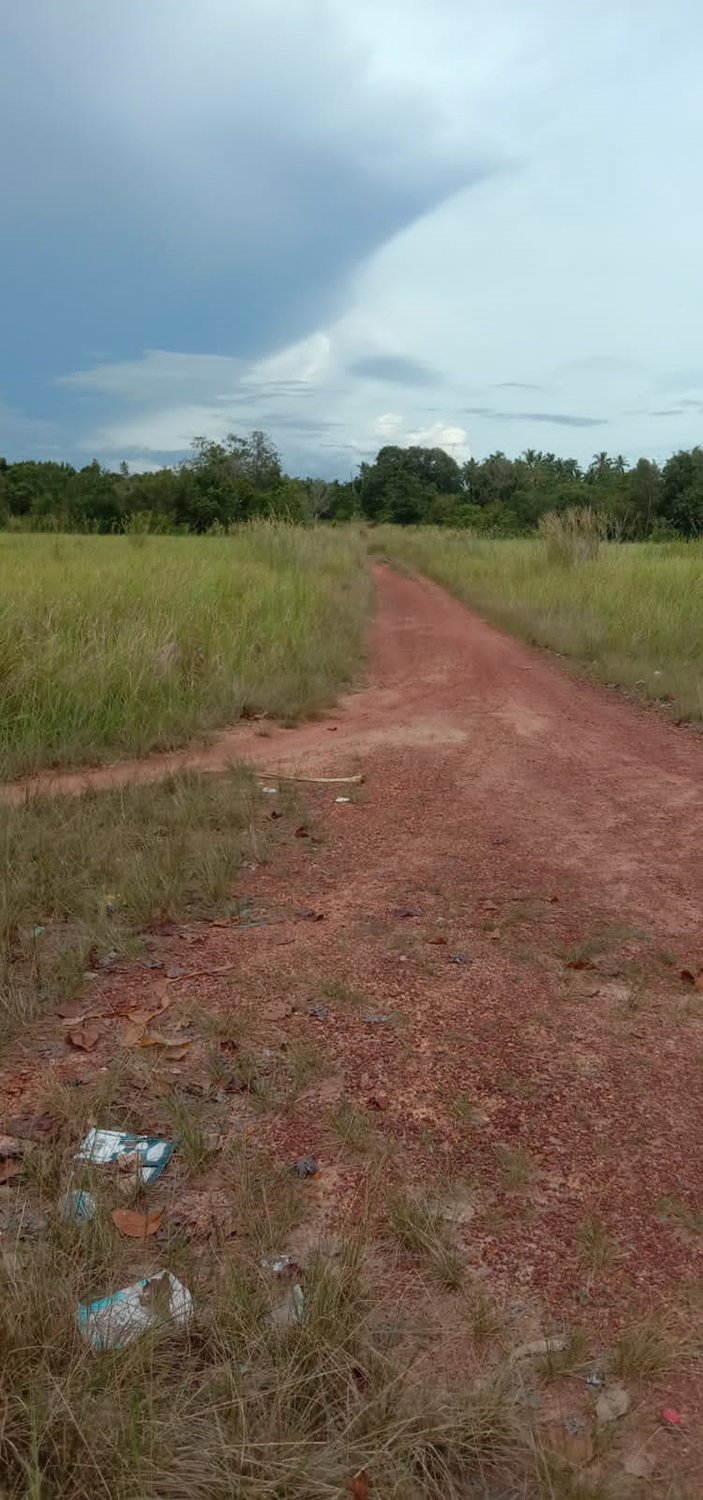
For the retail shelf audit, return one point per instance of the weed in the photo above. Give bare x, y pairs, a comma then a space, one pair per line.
89, 873
341, 992
597, 1246
516, 1167
463, 1108
419, 1227
356, 1130
676, 1211
307, 1064
642, 1350
187, 1120
485, 1322
149, 647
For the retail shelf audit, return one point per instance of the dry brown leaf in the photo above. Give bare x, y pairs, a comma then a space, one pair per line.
358, 1485
136, 1226
693, 977
161, 1039
85, 1037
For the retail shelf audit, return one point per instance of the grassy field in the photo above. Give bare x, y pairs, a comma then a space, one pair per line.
115, 645
633, 615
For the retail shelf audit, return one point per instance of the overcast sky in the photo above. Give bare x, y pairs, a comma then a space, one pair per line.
474, 223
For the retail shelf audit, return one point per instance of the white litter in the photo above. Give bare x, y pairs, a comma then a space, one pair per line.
113, 1322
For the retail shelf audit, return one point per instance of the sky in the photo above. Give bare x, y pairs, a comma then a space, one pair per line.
476, 224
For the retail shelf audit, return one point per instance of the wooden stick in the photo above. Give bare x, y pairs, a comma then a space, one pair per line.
323, 780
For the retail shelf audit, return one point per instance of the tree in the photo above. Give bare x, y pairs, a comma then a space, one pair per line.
681, 501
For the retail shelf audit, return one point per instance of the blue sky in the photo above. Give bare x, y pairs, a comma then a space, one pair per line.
476, 223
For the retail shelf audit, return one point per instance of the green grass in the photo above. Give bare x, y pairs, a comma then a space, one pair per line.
633, 615
81, 877
112, 646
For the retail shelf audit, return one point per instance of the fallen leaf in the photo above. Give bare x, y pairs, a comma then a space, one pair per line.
134, 1225
404, 912
438, 942
688, 976
85, 1037
579, 963
613, 1404
9, 1169
494, 935
358, 1485
161, 1039
307, 914
302, 832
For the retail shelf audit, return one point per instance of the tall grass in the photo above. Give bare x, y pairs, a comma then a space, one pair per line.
83, 876
630, 614
120, 645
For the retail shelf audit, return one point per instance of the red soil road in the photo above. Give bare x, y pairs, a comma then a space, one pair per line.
519, 812
586, 785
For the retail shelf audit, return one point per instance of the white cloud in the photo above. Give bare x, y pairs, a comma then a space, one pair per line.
571, 273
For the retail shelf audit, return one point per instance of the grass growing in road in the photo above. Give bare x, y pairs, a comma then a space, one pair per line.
120, 645
631, 615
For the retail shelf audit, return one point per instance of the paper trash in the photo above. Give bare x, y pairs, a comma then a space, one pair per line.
113, 1322
146, 1153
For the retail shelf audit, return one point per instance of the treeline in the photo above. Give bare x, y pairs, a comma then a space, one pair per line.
223, 484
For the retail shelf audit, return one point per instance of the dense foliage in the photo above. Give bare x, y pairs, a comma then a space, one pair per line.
222, 484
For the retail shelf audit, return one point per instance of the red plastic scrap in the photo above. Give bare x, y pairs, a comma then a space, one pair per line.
670, 1416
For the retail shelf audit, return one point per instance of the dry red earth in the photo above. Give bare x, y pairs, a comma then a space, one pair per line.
550, 834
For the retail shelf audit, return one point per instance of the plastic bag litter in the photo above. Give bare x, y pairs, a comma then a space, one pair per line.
115, 1321
148, 1154
79, 1207
291, 1310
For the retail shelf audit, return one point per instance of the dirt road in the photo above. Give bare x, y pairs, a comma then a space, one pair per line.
510, 898
583, 785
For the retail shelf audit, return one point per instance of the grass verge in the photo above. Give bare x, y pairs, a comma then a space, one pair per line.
117, 645
82, 877
630, 615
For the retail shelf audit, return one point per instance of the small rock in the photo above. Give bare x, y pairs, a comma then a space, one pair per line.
378, 1020
612, 1404
639, 1465
318, 1012
460, 958
596, 1380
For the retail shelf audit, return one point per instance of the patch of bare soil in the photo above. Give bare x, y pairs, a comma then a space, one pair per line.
477, 966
